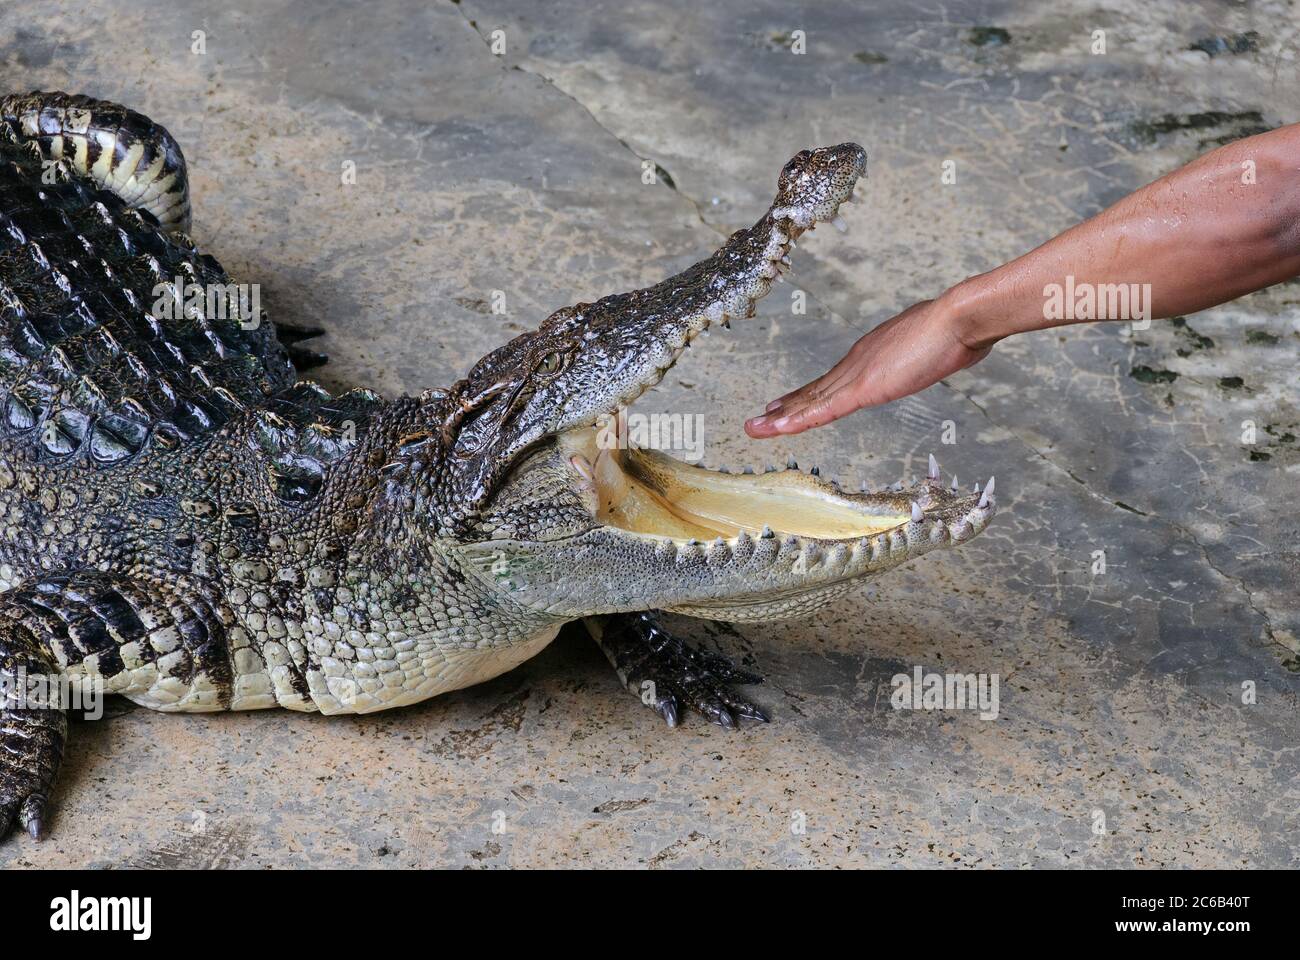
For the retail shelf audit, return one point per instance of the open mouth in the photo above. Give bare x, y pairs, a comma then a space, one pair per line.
648, 494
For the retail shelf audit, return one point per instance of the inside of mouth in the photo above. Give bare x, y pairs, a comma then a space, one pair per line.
649, 493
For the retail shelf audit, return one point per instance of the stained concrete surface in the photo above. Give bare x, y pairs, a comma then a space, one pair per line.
1122, 738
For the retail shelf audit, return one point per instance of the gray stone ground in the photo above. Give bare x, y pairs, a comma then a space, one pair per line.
1121, 692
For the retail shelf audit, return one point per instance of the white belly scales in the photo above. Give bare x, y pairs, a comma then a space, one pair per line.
351, 672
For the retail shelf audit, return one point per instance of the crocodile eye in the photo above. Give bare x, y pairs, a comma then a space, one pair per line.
551, 363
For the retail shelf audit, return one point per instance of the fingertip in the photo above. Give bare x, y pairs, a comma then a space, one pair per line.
760, 428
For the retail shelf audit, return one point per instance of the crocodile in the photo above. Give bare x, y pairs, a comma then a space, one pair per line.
189, 524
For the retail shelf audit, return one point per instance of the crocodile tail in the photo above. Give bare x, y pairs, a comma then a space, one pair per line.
113, 147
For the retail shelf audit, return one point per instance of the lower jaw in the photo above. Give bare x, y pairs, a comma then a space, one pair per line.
678, 537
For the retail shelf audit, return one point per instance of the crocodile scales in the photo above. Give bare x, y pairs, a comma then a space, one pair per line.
188, 524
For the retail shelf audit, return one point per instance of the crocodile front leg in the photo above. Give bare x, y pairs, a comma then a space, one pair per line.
31, 733
161, 645
668, 675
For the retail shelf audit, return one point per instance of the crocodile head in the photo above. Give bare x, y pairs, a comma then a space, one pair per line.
551, 505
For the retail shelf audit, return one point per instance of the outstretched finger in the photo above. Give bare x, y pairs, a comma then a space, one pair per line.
804, 417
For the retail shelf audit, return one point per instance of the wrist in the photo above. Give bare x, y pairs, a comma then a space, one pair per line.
972, 311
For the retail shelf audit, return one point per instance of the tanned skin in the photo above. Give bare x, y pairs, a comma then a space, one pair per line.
1200, 236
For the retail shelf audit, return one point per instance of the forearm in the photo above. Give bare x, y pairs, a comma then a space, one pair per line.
1198, 236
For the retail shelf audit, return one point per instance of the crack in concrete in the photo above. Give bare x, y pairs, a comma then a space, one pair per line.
668, 179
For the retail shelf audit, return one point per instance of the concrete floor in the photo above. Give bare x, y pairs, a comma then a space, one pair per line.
1121, 693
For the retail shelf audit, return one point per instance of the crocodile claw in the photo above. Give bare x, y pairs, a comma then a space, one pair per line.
291, 336
669, 675
306, 359
32, 816
293, 333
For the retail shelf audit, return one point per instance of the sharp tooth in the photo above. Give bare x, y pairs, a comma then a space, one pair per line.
724, 469
726, 323
748, 470
767, 533
790, 463
934, 469
770, 468
785, 259
719, 542
976, 488
988, 492
839, 224
742, 538
815, 471
953, 488
864, 487
917, 514
692, 542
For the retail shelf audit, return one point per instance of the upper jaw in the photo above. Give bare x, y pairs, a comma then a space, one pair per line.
588, 359
631, 340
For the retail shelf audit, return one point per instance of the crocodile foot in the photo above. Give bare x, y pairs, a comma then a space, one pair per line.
33, 721
32, 749
667, 674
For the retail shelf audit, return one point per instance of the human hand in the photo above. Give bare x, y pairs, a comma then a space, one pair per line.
906, 353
